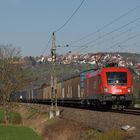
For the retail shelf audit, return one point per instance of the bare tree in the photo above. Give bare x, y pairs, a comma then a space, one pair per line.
98, 58
12, 76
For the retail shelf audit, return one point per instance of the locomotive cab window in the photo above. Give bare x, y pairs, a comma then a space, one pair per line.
116, 78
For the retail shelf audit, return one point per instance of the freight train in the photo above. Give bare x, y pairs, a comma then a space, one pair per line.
105, 87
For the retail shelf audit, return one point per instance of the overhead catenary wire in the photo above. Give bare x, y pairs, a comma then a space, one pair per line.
50, 38
118, 35
117, 29
112, 46
121, 42
46, 46
103, 27
106, 25
116, 45
63, 25
69, 17
108, 33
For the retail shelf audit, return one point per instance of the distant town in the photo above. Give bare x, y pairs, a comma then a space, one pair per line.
123, 59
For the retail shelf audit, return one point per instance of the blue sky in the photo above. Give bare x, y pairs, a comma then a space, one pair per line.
28, 24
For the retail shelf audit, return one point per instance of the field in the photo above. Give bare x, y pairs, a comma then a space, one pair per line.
17, 133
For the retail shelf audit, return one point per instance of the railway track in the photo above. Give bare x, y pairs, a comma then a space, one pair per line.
130, 111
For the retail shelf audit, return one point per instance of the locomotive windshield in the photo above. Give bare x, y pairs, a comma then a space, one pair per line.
116, 78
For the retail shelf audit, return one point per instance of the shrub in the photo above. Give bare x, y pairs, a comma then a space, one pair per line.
15, 118
1, 116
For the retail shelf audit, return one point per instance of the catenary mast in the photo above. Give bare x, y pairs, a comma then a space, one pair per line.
54, 109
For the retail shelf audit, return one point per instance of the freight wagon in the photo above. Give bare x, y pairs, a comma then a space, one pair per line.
105, 87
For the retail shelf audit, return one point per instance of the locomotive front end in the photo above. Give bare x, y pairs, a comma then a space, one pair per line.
118, 84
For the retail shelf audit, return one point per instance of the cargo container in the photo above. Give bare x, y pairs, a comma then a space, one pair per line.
59, 90
47, 92
39, 94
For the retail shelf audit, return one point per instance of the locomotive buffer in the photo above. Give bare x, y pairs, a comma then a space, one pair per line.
54, 111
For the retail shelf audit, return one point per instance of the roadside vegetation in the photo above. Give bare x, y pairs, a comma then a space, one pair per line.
14, 131
17, 133
14, 117
13, 78
35, 116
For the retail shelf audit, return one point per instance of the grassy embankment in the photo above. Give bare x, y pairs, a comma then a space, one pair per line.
14, 132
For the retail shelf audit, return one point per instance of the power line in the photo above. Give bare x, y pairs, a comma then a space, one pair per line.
118, 35
108, 24
106, 34
119, 28
121, 42
49, 67
46, 46
103, 27
63, 25
70, 17
128, 39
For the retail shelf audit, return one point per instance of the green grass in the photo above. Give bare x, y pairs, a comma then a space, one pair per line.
14, 117
17, 133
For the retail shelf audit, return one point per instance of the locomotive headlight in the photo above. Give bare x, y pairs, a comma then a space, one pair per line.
129, 90
105, 89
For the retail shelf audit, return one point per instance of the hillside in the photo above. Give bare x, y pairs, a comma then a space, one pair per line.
70, 64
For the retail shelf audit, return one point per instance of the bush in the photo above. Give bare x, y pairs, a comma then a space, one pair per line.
1, 116
15, 118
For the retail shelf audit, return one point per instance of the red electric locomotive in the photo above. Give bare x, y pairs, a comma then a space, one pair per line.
110, 86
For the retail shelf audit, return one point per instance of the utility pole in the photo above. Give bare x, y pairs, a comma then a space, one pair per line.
54, 109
